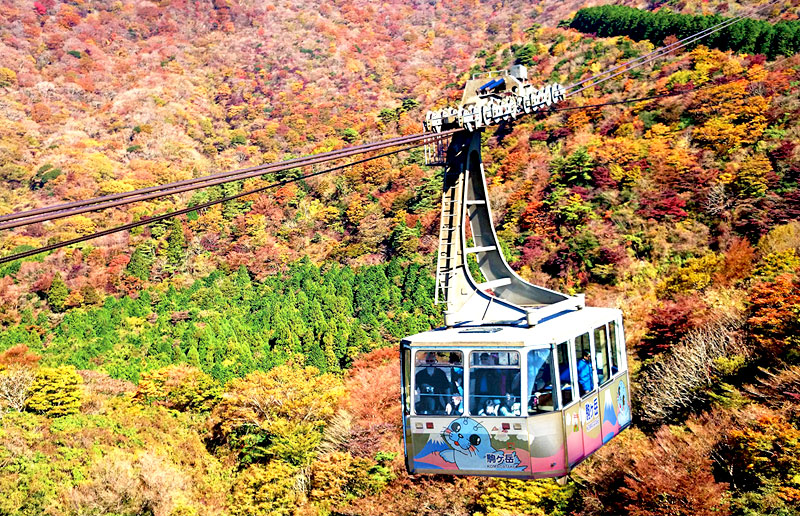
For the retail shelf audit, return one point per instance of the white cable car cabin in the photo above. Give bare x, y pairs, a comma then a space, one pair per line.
514, 401
522, 381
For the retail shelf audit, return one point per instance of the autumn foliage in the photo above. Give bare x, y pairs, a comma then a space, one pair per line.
242, 359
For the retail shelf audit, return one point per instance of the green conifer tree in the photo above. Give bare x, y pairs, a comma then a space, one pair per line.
175, 245
141, 261
57, 294
316, 357
193, 357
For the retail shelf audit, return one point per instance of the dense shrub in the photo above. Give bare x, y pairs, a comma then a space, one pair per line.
180, 387
532, 497
56, 391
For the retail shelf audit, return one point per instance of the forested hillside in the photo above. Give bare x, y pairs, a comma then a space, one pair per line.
242, 359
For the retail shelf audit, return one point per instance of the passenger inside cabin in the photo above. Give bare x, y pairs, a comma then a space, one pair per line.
489, 408
509, 407
433, 387
456, 374
455, 404
585, 379
484, 382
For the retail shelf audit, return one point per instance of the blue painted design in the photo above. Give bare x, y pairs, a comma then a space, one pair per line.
610, 416
623, 403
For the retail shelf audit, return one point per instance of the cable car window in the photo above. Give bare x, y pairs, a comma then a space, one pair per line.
564, 373
494, 385
438, 382
407, 380
612, 338
583, 354
540, 381
601, 351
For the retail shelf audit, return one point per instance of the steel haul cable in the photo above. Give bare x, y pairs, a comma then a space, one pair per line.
145, 194
212, 179
662, 51
182, 211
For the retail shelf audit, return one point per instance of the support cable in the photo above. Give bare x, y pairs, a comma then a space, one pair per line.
153, 192
201, 206
662, 51
145, 194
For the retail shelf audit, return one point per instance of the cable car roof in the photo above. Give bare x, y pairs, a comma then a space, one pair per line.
551, 331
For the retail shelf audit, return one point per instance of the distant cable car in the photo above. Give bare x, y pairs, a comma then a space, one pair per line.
522, 381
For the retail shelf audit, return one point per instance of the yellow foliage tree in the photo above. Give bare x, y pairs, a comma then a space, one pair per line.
78, 224
8, 77
180, 387
530, 497
357, 210
752, 177
56, 391
777, 263
696, 274
780, 238
99, 166
705, 61
286, 408
271, 490
338, 476
731, 115
620, 151
721, 134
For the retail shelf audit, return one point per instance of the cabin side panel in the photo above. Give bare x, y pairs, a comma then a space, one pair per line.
469, 446
546, 434
615, 407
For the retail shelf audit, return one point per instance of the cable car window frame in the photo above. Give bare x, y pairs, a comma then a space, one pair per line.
530, 385
602, 353
406, 371
474, 409
449, 368
573, 387
578, 358
614, 348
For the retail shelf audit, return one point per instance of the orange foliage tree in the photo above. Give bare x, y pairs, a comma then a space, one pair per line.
774, 322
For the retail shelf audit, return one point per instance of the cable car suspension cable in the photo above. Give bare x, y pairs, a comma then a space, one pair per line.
145, 194
660, 52
30, 216
201, 206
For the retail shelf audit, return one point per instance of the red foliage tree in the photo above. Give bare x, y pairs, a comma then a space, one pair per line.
665, 205
672, 475
19, 356
774, 323
738, 262
373, 384
671, 320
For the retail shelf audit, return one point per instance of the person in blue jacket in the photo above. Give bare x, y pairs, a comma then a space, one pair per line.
585, 380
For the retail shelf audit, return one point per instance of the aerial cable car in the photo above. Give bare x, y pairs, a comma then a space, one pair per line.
522, 381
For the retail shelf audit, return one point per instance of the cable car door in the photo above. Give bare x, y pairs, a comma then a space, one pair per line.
573, 428
589, 414
590, 404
